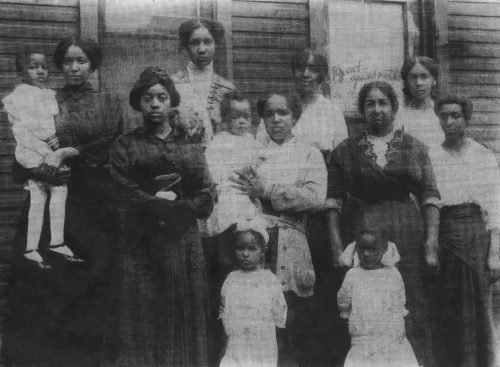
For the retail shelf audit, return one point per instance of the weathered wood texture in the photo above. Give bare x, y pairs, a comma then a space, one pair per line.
265, 36
474, 69
41, 23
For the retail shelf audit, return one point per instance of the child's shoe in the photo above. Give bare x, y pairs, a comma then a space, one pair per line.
65, 252
34, 257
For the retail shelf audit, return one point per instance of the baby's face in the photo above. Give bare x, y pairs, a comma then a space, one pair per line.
240, 118
370, 251
36, 71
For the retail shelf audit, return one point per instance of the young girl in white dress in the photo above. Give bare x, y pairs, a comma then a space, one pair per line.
253, 304
372, 298
31, 108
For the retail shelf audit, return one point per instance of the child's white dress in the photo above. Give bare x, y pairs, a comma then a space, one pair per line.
374, 302
31, 112
252, 306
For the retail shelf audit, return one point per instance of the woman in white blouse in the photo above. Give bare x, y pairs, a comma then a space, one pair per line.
200, 88
289, 179
417, 117
468, 179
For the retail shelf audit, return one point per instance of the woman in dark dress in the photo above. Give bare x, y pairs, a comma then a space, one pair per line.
59, 317
380, 169
164, 296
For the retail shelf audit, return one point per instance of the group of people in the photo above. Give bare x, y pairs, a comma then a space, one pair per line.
188, 241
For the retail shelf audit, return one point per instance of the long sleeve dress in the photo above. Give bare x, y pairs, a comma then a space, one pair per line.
374, 303
380, 185
252, 307
164, 299
62, 315
469, 182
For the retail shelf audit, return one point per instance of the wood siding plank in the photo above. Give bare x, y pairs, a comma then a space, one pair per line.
269, 10
59, 3
475, 90
265, 40
471, 22
471, 35
483, 50
12, 45
491, 119
38, 13
38, 30
479, 9
263, 56
486, 104
285, 26
259, 71
477, 77
279, 1
474, 63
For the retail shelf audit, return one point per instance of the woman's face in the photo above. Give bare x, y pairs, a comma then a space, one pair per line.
240, 118
452, 121
420, 83
306, 79
201, 47
155, 105
378, 112
278, 119
76, 66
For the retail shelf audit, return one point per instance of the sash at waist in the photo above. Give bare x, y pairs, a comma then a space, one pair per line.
467, 210
462, 232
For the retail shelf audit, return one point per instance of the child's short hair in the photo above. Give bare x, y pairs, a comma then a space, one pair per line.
23, 56
375, 231
257, 236
225, 105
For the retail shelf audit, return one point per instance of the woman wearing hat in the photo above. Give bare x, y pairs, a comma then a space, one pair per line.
165, 184
199, 86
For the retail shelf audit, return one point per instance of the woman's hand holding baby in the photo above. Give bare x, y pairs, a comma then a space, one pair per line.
167, 195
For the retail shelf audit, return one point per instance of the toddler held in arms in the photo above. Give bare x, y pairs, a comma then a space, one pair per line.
31, 108
372, 298
230, 152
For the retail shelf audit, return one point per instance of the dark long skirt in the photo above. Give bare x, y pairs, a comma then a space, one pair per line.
164, 302
402, 223
465, 324
220, 261
63, 316
329, 340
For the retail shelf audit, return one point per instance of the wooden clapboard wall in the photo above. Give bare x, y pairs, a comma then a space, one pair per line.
24, 22
265, 36
474, 63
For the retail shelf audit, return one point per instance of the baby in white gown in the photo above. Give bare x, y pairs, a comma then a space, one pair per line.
230, 151
372, 298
